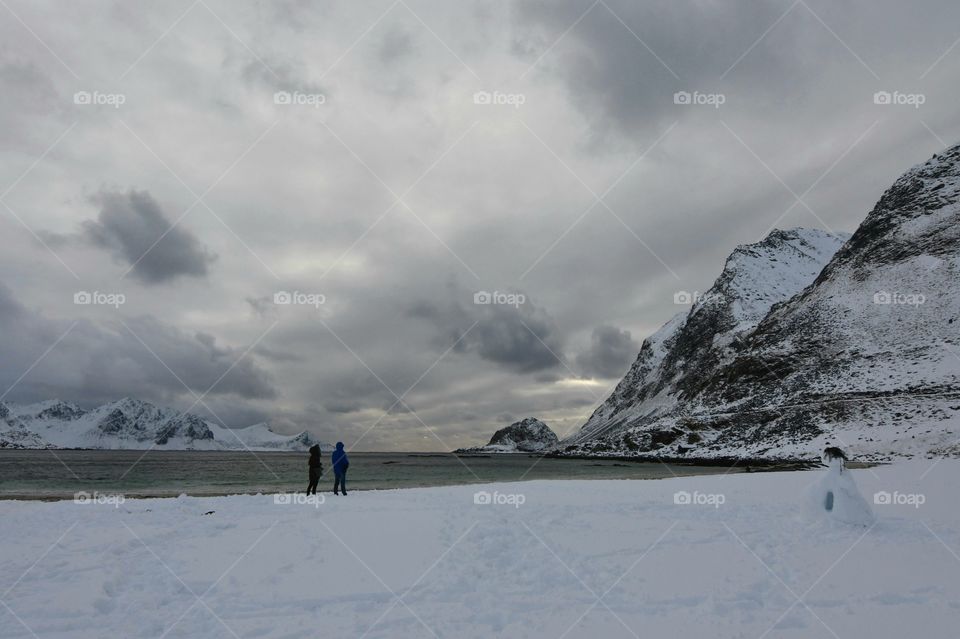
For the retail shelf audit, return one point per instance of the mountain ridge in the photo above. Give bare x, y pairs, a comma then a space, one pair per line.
865, 356
130, 423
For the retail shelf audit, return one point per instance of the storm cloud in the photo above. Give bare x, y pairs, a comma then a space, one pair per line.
136, 231
610, 353
100, 361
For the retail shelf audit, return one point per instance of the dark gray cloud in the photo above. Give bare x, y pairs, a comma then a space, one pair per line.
524, 339
134, 228
624, 60
610, 353
99, 361
521, 337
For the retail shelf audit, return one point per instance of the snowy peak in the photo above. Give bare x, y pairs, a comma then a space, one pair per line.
138, 421
528, 435
757, 276
13, 432
260, 437
672, 363
53, 409
130, 423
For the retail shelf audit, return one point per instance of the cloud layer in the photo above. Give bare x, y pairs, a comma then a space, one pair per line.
381, 196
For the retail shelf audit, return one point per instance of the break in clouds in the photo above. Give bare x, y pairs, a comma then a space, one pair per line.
380, 184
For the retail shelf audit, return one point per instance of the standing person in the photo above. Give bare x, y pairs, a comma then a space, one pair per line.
316, 469
340, 465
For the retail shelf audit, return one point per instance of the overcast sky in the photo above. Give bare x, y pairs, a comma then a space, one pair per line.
389, 160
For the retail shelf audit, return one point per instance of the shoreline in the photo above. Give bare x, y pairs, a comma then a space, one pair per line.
140, 494
760, 464
200, 486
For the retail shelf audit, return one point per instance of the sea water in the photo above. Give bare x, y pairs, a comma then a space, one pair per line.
60, 474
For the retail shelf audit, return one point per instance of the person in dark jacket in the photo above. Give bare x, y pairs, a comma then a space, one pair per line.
340, 465
316, 469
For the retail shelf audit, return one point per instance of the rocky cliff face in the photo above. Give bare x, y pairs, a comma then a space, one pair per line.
866, 356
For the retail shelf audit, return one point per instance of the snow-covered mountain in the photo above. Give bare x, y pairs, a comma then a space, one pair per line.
260, 437
673, 361
13, 434
529, 435
130, 424
866, 356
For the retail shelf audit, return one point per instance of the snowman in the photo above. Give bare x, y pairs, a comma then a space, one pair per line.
836, 496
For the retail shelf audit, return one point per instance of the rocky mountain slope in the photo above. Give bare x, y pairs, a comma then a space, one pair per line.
130, 424
866, 356
673, 360
528, 435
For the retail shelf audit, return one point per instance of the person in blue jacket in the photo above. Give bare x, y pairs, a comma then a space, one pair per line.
340, 465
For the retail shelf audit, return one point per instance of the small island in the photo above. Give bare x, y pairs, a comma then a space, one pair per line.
529, 435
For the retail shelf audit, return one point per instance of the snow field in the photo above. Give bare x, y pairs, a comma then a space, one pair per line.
739, 556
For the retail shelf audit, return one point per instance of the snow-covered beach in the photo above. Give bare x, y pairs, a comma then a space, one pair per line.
748, 556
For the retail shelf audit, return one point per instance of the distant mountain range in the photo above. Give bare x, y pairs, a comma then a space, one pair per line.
132, 424
809, 337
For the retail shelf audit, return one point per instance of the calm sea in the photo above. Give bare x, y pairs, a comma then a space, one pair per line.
37, 474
